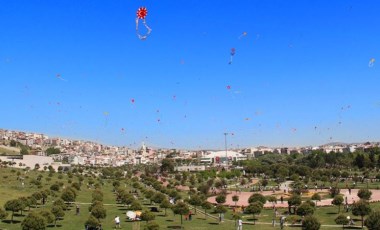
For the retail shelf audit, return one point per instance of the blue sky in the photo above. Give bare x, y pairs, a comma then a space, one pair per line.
299, 77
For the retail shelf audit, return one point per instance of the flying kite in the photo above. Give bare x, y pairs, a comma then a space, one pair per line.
132, 100
233, 51
228, 87
371, 62
141, 14
243, 35
60, 77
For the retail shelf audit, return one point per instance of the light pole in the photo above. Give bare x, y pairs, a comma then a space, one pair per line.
225, 147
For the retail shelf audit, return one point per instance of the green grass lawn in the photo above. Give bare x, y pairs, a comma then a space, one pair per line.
11, 188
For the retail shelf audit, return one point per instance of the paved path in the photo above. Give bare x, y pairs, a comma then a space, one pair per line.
243, 197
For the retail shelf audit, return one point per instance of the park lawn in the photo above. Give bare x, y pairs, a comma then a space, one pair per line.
11, 188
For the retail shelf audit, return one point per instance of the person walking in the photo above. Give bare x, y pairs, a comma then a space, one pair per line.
117, 222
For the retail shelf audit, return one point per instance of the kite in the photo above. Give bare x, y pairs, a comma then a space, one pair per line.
141, 14
60, 77
132, 100
228, 87
233, 51
371, 62
243, 35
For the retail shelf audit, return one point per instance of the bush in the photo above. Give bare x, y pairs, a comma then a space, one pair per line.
311, 223
152, 226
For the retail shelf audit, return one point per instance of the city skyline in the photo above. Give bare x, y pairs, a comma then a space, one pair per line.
302, 73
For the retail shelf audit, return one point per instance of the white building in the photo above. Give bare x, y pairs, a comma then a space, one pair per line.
220, 157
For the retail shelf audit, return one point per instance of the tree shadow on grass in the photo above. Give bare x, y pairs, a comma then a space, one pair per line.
169, 220
331, 213
352, 227
175, 227
213, 223
9, 221
53, 226
18, 215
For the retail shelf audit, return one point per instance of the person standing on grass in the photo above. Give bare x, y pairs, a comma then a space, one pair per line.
117, 222
240, 224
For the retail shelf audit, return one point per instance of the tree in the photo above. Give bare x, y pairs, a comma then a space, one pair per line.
338, 201
99, 212
31, 202
24, 202
257, 197
294, 201
37, 196
342, 219
97, 195
165, 204
48, 215
55, 187
271, 199
13, 143
152, 226
76, 185
181, 209
206, 205
373, 221
305, 209
364, 194
158, 197
147, 216
167, 165
135, 205
310, 223
52, 150
126, 198
3, 214
34, 221
334, 191
61, 203
44, 193
68, 195
14, 205
37, 166
316, 197
361, 208
92, 222
220, 199
24, 151
195, 200
58, 213
149, 195
235, 198
254, 209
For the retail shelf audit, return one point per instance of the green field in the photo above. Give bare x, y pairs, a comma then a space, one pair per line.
11, 188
